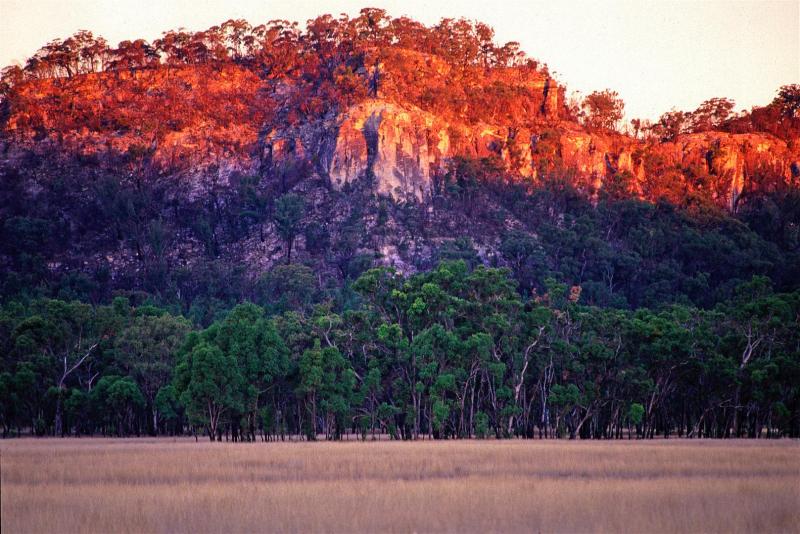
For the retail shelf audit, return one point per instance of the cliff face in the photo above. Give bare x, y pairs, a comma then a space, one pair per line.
400, 148
404, 148
726, 166
158, 166
399, 119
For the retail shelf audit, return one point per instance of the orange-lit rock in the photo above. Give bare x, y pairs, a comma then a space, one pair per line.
399, 120
403, 147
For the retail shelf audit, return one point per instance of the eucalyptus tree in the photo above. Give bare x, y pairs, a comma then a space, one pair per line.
147, 350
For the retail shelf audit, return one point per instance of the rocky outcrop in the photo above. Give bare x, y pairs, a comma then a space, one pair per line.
402, 148
730, 165
198, 124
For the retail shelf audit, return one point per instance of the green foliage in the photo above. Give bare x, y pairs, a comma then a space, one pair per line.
287, 287
208, 383
481, 425
327, 382
225, 369
118, 398
289, 212
636, 413
551, 307
452, 352
146, 350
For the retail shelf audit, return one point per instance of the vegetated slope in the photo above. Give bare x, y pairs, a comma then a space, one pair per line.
280, 166
158, 167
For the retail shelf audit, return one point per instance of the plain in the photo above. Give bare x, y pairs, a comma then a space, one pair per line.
162, 485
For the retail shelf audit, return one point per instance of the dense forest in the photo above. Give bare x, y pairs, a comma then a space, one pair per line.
144, 291
449, 353
613, 320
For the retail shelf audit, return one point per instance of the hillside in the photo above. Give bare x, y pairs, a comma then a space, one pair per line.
138, 164
370, 226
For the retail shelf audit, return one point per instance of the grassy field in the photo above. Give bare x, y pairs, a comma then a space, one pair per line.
166, 486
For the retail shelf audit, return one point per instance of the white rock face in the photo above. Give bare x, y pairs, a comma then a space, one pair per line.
401, 148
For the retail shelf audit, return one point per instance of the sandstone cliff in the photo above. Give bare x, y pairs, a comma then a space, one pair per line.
403, 148
395, 115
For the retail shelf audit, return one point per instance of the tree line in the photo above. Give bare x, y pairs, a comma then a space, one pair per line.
344, 60
449, 353
277, 46
285, 76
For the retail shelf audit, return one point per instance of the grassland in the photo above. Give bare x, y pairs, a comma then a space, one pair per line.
167, 486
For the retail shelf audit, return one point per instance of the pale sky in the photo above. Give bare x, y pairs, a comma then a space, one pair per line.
657, 54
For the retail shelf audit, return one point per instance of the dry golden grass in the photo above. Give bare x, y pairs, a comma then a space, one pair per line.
180, 486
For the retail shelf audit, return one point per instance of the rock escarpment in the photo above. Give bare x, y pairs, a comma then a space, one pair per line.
203, 124
400, 148
403, 148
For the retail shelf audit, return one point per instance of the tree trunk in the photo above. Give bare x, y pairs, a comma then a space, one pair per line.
59, 414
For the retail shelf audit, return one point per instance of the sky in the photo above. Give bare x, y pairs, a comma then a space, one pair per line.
657, 54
